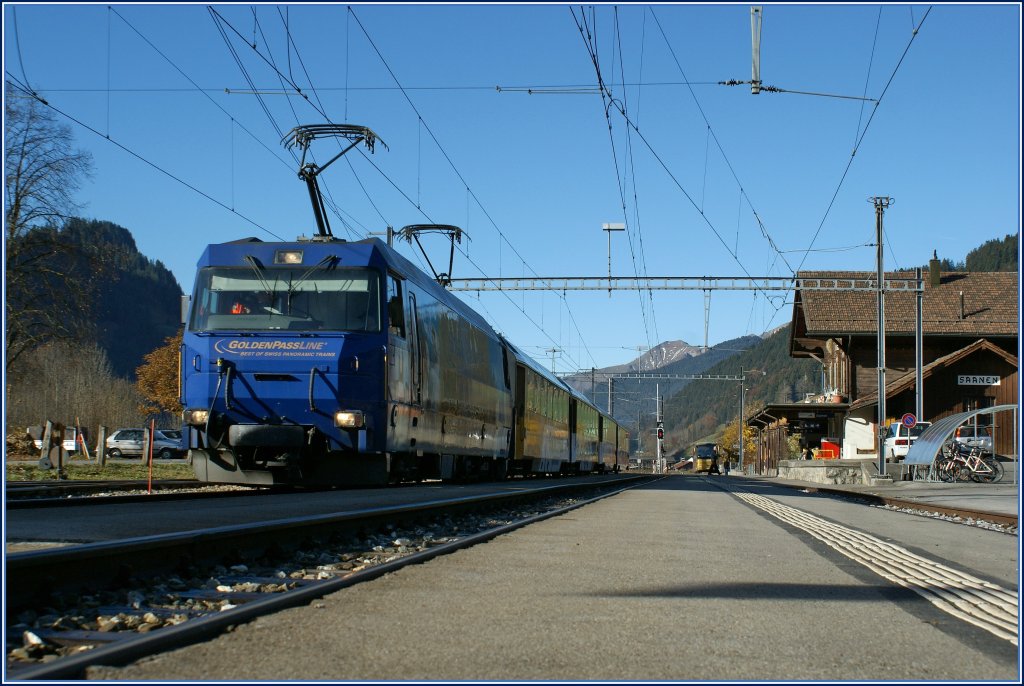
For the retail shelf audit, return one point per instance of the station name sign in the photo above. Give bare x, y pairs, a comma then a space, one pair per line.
977, 379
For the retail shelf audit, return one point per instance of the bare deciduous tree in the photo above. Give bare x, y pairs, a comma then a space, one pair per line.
43, 171
63, 382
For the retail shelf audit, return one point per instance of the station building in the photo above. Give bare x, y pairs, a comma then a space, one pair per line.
970, 328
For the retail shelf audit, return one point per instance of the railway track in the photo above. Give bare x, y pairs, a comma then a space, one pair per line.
917, 506
30, 494
131, 598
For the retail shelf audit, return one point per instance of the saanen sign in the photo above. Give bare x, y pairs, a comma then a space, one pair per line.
977, 379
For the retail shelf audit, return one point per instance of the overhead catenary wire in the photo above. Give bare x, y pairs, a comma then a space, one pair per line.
219, 20
230, 116
278, 109
451, 163
632, 124
25, 89
271, 64
233, 118
587, 89
188, 78
607, 98
632, 172
322, 108
17, 46
860, 140
867, 77
718, 144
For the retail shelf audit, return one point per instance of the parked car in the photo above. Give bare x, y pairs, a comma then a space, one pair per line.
972, 436
899, 438
166, 443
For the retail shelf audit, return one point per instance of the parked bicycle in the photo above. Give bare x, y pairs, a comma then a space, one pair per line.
959, 463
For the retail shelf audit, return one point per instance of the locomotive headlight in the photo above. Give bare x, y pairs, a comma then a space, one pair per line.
195, 417
348, 419
287, 257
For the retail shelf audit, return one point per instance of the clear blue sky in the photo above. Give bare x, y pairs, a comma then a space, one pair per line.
532, 177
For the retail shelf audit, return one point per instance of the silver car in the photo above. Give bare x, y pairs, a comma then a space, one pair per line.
131, 442
971, 436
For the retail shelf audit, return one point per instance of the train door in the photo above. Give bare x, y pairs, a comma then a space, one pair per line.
574, 438
416, 374
510, 429
415, 353
519, 422
398, 378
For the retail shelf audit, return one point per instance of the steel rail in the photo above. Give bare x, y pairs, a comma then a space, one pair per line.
71, 486
141, 645
25, 501
875, 499
33, 575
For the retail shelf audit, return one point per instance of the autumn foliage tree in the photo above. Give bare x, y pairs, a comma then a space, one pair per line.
731, 446
157, 378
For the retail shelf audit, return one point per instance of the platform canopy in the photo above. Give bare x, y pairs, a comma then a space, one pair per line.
926, 447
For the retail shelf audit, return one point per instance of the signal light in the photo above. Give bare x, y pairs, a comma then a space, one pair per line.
661, 433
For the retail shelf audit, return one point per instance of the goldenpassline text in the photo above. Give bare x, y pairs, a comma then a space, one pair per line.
276, 345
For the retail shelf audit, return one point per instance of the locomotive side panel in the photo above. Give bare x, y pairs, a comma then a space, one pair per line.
467, 389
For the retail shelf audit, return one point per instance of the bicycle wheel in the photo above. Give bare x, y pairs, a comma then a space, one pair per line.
944, 469
990, 472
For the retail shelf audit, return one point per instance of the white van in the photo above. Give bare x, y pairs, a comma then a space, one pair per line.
899, 437
70, 440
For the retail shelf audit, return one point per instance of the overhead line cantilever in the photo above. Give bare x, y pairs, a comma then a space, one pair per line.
676, 283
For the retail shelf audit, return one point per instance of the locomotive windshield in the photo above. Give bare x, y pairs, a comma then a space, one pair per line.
707, 450
240, 299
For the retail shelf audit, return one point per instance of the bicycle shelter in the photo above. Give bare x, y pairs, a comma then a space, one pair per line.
924, 450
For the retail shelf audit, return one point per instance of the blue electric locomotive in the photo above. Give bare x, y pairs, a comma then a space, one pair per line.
323, 362
326, 361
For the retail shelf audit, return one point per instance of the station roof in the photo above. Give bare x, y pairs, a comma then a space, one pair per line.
793, 412
989, 309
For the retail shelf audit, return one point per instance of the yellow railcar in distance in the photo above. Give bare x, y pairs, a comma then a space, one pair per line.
704, 454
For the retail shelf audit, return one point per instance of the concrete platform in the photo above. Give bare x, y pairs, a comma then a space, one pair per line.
676, 580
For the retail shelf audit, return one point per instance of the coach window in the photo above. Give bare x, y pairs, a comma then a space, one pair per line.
396, 315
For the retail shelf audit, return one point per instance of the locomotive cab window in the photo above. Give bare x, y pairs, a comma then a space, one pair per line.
396, 315
293, 299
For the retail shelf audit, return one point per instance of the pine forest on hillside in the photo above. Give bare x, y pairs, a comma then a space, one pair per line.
703, 408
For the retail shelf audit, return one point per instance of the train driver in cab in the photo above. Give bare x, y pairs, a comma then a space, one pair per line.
244, 303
